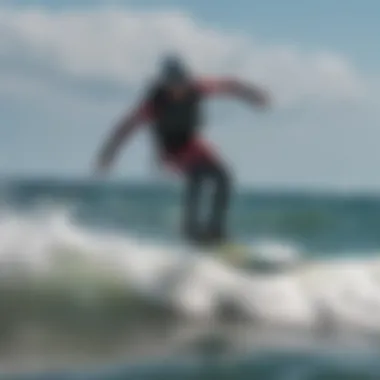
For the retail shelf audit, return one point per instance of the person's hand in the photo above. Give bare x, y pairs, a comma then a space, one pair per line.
261, 99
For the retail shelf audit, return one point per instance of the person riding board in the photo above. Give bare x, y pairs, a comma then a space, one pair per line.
172, 107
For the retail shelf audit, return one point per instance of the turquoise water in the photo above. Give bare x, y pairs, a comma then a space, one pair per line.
320, 222
266, 365
100, 263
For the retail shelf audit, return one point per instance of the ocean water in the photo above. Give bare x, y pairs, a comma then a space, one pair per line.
96, 284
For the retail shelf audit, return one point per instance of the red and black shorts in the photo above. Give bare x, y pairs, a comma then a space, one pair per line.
195, 151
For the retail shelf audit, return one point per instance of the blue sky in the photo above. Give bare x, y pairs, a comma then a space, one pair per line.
69, 69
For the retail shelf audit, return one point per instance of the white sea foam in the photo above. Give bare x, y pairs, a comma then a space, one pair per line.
344, 292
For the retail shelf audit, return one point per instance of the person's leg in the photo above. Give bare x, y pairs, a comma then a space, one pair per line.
199, 165
220, 202
192, 196
214, 230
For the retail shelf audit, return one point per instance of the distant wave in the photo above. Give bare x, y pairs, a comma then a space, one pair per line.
320, 222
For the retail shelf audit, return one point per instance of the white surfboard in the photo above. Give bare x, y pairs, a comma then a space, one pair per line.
261, 258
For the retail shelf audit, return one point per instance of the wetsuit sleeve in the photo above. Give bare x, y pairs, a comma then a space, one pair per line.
233, 87
122, 131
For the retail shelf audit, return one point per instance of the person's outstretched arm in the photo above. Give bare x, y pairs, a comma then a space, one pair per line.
120, 135
233, 87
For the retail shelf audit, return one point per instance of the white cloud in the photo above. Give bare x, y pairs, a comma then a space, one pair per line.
66, 76
121, 47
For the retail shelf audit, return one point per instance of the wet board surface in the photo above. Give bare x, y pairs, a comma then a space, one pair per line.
249, 258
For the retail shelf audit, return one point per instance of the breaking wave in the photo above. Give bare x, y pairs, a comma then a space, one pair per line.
47, 257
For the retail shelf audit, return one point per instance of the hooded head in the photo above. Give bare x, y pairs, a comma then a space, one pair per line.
173, 73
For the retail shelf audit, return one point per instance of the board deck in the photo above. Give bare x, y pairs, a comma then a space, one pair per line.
246, 257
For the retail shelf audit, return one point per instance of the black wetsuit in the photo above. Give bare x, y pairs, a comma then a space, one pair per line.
175, 127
